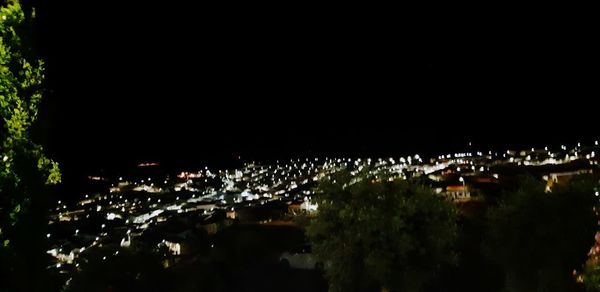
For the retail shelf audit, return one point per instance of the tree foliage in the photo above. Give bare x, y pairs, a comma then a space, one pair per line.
137, 268
591, 276
392, 234
25, 172
539, 238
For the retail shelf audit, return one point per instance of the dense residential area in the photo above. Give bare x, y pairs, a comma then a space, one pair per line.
210, 216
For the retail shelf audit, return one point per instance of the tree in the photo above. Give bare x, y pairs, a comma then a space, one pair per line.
538, 238
591, 275
372, 234
25, 172
109, 268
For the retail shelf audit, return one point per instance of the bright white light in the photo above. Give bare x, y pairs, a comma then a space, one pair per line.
48, 235
461, 179
597, 194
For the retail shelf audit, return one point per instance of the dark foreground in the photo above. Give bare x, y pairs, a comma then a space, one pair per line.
239, 258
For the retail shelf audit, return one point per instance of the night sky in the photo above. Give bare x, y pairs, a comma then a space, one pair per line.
191, 86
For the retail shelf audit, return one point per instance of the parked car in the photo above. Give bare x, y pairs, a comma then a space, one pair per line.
300, 257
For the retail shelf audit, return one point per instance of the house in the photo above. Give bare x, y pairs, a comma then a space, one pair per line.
458, 192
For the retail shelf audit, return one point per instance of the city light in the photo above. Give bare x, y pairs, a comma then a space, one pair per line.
255, 185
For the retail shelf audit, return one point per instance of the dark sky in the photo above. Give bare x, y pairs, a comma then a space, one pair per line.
138, 82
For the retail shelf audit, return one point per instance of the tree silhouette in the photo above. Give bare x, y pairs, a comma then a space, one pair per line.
539, 238
372, 234
25, 172
137, 268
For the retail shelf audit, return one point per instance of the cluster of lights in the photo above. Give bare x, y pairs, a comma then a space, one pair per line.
255, 184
